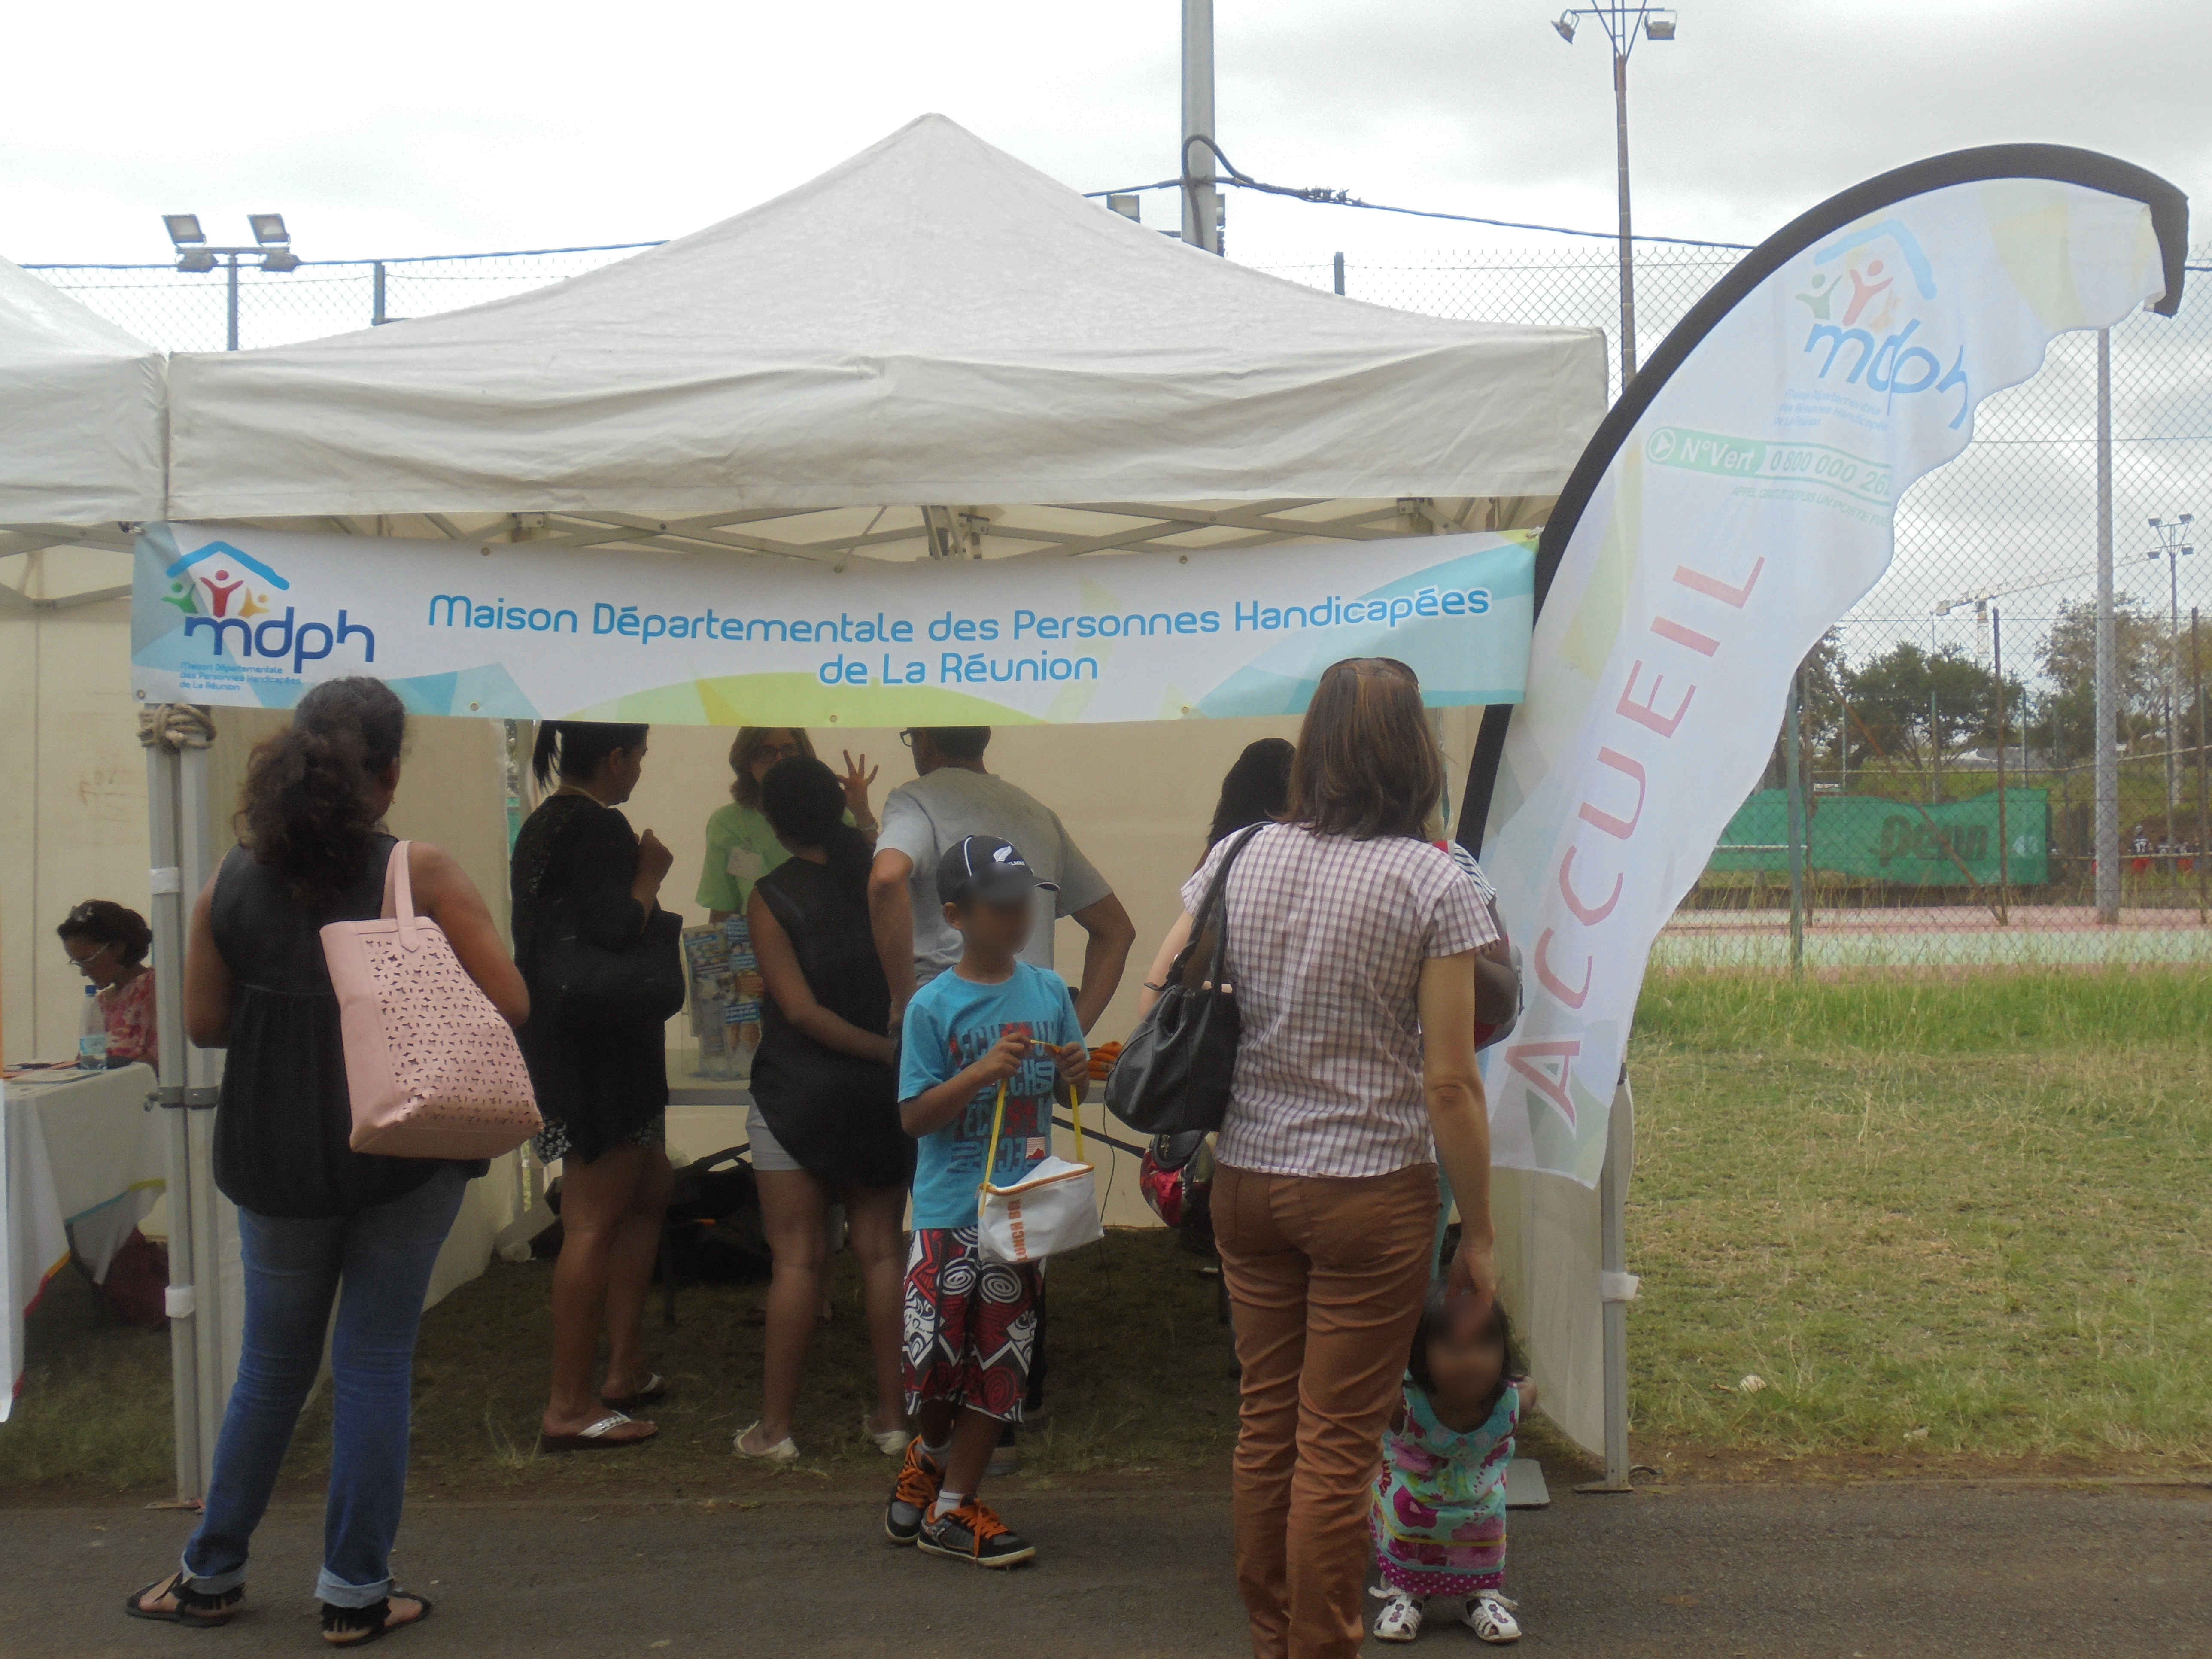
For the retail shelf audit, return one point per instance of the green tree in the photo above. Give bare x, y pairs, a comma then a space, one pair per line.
2065, 713
1918, 705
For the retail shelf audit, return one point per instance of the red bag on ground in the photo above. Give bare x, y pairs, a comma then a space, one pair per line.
137, 1282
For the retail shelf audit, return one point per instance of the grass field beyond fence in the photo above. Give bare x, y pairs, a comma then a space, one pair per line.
1950, 1222
1958, 1218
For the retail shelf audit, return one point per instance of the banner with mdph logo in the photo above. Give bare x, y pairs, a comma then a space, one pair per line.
255, 617
1733, 506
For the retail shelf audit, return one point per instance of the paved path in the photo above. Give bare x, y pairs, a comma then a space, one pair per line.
1811, 1572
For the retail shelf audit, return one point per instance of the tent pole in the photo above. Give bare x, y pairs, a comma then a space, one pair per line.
168, 919
199, 1074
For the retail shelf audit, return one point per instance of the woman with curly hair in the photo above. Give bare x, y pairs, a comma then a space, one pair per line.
318, 1222
107, 943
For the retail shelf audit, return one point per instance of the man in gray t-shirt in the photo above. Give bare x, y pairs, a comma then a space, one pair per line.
955, 796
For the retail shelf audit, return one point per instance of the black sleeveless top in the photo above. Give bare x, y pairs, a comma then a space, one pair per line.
285, 1117
836, 1114
606, 1080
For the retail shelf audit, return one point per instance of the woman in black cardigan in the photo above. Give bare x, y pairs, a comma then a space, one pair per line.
602, 1079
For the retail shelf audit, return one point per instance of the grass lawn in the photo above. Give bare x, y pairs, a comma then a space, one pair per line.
1945, 1219
1952, 1223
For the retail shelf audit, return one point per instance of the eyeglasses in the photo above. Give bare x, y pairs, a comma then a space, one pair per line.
83, 964
907, 737
778, 750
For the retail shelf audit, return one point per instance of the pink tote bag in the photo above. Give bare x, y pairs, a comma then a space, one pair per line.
432, 1066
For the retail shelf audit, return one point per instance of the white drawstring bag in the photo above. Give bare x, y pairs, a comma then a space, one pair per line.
1052, 1209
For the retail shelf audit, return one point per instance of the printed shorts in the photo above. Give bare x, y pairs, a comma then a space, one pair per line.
970, 1325
552, 1142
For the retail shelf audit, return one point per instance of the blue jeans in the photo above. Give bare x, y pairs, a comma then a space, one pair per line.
382, 1259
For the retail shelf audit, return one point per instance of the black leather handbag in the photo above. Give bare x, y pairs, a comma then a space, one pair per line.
1173, 1074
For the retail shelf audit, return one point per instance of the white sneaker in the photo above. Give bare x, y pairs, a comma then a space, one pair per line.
1490, 1616
1401, 1618
891, 1443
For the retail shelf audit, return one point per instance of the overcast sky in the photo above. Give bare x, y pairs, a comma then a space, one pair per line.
410, 127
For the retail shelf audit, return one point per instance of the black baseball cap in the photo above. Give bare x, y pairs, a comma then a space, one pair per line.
985, 868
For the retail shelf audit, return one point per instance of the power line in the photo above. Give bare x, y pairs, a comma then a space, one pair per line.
1322, 196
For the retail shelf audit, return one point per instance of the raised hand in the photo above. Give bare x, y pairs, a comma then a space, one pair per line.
653, 859
859, 775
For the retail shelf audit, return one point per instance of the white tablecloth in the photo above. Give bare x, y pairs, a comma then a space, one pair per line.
81, 1156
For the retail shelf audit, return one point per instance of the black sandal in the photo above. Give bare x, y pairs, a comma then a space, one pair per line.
192, 1608
350, 1627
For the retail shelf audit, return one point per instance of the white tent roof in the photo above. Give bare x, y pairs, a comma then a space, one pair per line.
80, 416
931, 321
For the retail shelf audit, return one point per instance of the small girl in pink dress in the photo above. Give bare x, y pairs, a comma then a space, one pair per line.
1438, 1518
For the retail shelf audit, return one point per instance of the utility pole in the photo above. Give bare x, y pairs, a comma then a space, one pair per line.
1201, 201
2107, 762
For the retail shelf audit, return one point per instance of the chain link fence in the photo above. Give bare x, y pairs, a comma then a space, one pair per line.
1926, 843
1945, 783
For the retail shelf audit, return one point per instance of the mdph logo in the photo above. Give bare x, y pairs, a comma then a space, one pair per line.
215, 587
1867, 286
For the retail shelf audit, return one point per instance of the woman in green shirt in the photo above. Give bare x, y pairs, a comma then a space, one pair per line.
740, 846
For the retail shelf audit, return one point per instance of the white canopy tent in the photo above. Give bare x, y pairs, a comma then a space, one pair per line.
929, 322
932, 350
81, 437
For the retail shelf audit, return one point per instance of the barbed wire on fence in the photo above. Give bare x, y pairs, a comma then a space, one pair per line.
1901, 743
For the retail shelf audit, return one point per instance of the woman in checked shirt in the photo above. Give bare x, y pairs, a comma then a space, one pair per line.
1353, 941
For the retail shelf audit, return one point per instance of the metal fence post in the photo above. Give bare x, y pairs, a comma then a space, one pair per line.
1793, 781
376, 316
2204, 842
2004, 838
1340, 273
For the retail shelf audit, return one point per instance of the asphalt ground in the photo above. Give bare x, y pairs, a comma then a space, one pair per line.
1814, 1571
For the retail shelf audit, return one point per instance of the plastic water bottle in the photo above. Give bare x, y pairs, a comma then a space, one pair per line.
92, 1033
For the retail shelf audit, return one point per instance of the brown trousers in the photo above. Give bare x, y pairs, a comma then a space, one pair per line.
1325, 1277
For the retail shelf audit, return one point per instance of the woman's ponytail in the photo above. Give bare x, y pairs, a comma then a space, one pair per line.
306, 809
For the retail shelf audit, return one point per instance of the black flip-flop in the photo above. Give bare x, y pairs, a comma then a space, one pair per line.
654, 1391
192, 1608
378, 1626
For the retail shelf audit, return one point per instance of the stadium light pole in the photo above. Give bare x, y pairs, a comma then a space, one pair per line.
271, 242
1622, 22
2172, 548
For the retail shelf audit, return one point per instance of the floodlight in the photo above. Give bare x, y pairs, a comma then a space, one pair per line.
2188, 517
1129, 207
268, 227
278, 258
1565, 23
183, 227
198, 259
1659, 25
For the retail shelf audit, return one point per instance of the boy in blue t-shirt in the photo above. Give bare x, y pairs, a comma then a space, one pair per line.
971, 1324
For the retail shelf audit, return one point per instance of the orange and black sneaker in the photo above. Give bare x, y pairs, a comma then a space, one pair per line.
973, 1533
920, 1480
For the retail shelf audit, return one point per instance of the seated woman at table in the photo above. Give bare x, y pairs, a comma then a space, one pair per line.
824, 1123
318, 1222
741, 847
107, 943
